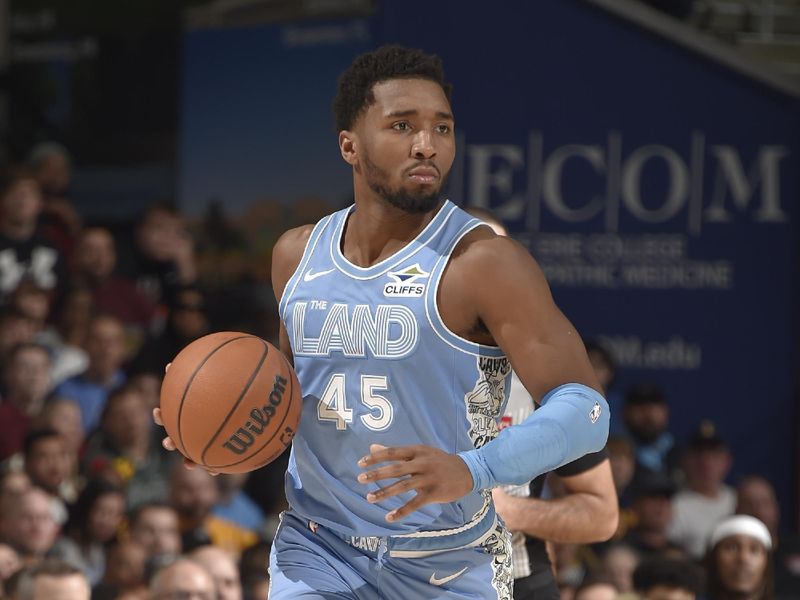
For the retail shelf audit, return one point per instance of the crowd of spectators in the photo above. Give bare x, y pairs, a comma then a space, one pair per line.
90, 316
90, 500
684, 531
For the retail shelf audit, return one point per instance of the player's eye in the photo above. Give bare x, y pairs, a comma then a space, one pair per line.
401, 126
443, 128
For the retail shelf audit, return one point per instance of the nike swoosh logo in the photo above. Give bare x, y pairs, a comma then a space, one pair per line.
443, 580
309, 276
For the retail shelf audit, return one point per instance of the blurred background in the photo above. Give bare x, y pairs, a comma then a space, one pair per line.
646, 152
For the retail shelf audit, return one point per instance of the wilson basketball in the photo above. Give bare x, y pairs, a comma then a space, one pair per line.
231, 402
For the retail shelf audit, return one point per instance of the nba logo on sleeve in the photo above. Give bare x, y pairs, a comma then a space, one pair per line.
406, 283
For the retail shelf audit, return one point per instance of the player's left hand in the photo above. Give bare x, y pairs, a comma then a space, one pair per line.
435, 475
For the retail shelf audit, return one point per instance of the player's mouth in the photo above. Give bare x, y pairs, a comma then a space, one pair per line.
424, 175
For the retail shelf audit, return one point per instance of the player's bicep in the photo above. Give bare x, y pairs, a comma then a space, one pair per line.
286, 256
283, 344
515, 304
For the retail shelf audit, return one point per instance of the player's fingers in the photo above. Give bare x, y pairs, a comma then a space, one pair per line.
398, 487
157, 416
386, 455
392, 471
415, 503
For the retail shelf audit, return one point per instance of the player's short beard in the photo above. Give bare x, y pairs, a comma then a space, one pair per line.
412, 202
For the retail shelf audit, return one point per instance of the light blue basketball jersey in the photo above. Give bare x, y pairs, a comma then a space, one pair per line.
376, 364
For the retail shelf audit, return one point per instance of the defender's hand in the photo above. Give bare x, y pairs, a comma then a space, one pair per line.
435, 475
508, 507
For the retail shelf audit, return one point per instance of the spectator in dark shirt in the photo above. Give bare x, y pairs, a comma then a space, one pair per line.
646, 418
160, 258
652, 509
187, 321
23, 253
49, 464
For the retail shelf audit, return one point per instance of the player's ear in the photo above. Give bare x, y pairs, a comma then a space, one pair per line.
347, 146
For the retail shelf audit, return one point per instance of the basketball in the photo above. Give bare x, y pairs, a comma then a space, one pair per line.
231, 402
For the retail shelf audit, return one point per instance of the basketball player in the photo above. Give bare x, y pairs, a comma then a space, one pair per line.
403, 316
586, 511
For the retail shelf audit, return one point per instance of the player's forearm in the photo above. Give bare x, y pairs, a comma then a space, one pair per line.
572, 421
573, 519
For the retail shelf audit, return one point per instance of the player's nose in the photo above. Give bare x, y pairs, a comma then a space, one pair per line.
423, 145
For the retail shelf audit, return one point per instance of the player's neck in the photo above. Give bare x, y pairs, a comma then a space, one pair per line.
376, 230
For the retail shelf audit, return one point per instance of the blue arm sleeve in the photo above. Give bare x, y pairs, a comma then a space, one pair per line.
571, 422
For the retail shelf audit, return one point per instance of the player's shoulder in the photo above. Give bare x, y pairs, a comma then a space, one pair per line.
293, 242
288, 252
483, 248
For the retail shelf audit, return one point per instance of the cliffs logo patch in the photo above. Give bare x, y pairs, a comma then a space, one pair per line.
406, 283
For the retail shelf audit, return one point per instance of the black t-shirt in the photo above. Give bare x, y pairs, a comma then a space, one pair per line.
158, 281
34, 259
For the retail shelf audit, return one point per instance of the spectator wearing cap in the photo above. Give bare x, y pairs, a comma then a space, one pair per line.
738, 562
646, 418
706, 498
652, 514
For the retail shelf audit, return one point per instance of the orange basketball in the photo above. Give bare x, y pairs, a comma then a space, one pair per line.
231, 402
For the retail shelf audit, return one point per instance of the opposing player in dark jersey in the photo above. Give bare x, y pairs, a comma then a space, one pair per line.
403, 316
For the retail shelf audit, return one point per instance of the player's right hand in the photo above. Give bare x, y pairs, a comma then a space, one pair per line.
170, 445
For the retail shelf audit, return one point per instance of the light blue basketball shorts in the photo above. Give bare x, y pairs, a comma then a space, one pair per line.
309, 561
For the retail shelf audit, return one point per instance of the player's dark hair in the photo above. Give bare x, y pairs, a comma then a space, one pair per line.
355, 94
668, 572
